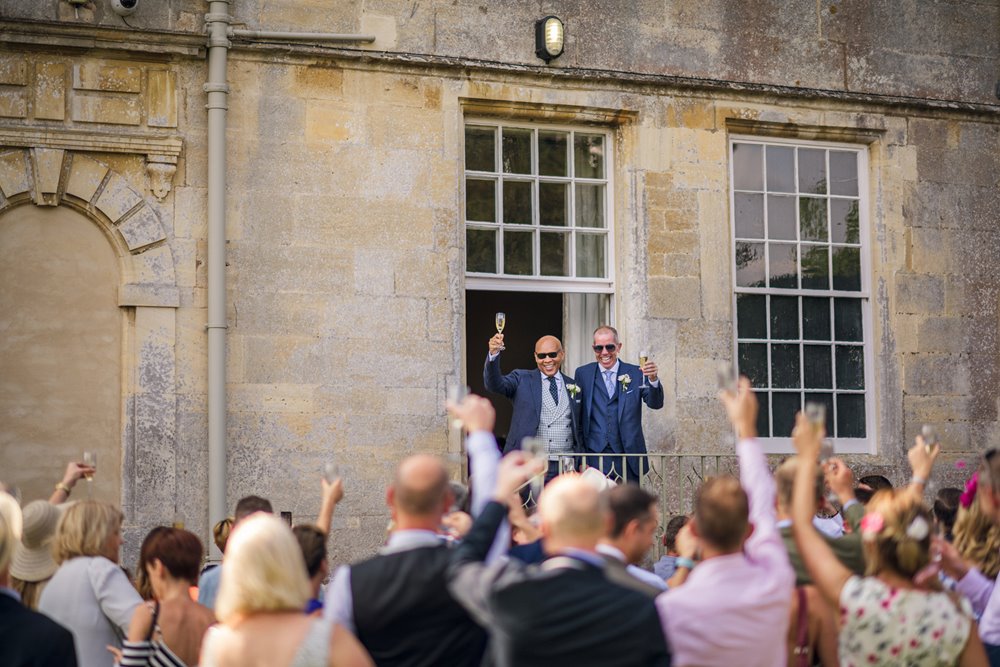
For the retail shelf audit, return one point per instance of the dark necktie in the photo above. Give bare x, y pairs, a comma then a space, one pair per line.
553, 390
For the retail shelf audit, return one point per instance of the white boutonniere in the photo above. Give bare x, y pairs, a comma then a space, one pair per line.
573, 390
626, 380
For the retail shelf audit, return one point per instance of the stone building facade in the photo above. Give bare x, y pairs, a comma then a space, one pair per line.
353, 257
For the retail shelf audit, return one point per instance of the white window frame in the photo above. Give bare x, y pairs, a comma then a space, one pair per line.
783, 445
500, 282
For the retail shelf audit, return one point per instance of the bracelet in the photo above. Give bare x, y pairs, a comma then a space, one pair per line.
684, 562
62, 486
917, 479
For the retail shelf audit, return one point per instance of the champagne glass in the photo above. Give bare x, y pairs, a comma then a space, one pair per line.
643, 358
500, 320
727, 377
536, 449
930, 437
331, 472
825, 450
457, 394
567, 464
90, 459
816, 414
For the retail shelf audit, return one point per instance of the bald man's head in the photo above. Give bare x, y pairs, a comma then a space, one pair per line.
572, 512
549, 355
420, 488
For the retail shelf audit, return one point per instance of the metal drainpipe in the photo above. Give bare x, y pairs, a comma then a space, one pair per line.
217, 22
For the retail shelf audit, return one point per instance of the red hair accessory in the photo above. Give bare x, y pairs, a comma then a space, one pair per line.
970, 491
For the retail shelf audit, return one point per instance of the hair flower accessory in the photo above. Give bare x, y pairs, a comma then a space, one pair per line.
969, 494
573, 390
871, 524
918, 529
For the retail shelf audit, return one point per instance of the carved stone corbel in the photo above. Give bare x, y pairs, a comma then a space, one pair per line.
161, 170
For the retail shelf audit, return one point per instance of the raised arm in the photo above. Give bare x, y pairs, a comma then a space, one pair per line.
826, 571
74, 471
333, 493
921, 458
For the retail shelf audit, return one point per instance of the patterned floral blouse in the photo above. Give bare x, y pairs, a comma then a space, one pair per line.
882, 625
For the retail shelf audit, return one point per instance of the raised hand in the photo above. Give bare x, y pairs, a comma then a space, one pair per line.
807, 438
741, 409
496, 344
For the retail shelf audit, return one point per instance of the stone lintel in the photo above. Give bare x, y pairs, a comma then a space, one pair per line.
150, 295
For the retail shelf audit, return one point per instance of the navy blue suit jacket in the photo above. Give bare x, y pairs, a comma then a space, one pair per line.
629, 405
524, 389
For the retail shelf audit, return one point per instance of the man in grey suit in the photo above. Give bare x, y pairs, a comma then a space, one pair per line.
545, 402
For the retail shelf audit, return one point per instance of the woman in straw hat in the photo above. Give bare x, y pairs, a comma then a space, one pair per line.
33, 564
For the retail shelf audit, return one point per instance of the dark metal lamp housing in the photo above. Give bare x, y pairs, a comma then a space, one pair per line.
550, 37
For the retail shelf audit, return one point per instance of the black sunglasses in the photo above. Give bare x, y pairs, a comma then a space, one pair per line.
549, 355
609, 347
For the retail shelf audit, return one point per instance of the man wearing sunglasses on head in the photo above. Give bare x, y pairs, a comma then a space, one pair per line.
612, 394
543, 406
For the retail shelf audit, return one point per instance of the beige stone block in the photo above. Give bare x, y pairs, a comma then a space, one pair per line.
155, 334
441, 320
50, 91
696, 378
374, 271
713, 146
422, 401
117, 198
402, 127
13, 70
190, 212
383, 27
698, 114
653, 149
118, 78
271, 398
141, 228
318, 81
161, 98
334, 121
48, 169
85, 177
673, 242
905, 329
701, 176
675, 298
103, 109
13, 103
15, 177
905, 158
156, 265
944, 334
422, 274
376, 88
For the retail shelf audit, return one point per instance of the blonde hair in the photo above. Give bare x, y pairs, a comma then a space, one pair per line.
11, 512
977, 539
7, 538
892, 548
30, 591
259, 572
221, 531
84, 529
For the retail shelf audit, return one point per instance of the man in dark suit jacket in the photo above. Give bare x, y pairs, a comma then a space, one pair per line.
545, 403
576, 608
27, 638
612, 396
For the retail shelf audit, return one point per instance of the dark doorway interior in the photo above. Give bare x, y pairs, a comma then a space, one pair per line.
530, 315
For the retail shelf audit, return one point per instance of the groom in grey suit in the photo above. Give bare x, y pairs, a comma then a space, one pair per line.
543, 405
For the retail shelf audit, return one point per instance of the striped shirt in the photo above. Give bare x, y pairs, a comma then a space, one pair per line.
555, 424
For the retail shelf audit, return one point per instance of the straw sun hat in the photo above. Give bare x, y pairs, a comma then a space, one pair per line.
33, 554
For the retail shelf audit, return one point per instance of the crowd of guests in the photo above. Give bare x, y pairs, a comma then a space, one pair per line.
801, 565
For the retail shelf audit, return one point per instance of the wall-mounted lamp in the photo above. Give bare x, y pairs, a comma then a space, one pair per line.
550, 37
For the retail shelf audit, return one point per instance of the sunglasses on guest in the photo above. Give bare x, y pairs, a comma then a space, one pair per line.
547, 355
609, 347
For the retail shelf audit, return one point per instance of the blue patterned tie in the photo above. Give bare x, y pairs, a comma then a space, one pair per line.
609, 383
553, 390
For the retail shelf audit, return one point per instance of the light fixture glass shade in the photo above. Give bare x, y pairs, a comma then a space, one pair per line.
550, 38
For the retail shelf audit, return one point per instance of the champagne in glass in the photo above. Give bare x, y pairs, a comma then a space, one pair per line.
643, 358
501, 322
567, 464
816, 414
727, 378
331, 472
536, 449
90, 459
457, 394
930, 437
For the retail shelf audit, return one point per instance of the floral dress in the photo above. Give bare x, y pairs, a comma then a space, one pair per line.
883, 625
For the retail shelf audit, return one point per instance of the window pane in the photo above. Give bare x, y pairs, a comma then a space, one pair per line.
785, 366
753, 362
589, 205
516, 151
812, 171
850, 367
785, 317
781, 217
780, 169
812, 219
850, 416
553, 204
847, 269
517, 253
815, 267
553, 148
748, 167
843, 173
554, 254
785, 406
826, 400
847, 319
751, 316
480, 200
517, 202
590, 255
763, 414
815, 318
749, 215
750, 264
783, 268
844, 221
588, 155
818, 368
480, 251
480, 148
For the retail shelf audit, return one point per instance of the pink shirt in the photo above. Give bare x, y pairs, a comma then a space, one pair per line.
734, 610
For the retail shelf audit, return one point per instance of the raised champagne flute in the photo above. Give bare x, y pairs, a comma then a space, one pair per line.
500, 319
331, 472
643, 358
536, 449
90, 459
457, 394
930, 437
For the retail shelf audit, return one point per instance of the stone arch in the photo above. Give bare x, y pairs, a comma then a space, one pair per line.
148, 296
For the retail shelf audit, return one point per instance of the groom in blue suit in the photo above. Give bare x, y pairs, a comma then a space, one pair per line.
612, 406
545, 402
